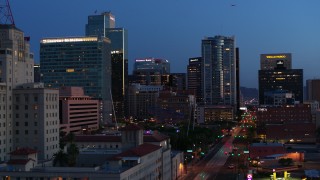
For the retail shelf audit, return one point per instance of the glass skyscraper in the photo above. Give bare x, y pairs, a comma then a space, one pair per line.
97, 24
78, 61
219, 75
103, 25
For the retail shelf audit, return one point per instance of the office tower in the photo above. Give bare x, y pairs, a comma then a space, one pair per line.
119, 66
194, 77
313, 90
271, 61
103, 25
36, 119
285, 80
238, 96
97, 24
16, 68
150, 71
79, 61
219, 86
37, 74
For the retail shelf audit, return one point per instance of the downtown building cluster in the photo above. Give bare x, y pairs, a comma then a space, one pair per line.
84, 84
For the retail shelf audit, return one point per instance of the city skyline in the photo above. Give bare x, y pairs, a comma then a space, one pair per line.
173, 30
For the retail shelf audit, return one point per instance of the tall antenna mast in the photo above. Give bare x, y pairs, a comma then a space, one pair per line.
5, 13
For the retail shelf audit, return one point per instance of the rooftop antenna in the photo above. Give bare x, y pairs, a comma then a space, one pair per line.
5, 13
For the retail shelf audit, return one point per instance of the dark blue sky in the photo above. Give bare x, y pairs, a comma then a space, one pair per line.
173, 29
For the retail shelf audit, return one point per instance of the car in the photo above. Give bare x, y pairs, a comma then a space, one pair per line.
231, 166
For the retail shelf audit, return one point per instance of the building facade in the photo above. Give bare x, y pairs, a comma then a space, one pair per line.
219, 86
270, 61
97, 24
290, 80
79, 61
194, 77
36, 119
150, 71
16, 68
141, 99
79, 114
282, 114
103, 25
313, 90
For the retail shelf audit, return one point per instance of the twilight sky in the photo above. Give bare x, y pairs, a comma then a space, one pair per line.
173, 29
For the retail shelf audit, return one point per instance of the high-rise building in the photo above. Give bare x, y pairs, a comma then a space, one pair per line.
194, 77
37, 74
150, 71
103, 25
79, 61
286, 80
16, 65
97, 24
271, 61
313, 90
219, 77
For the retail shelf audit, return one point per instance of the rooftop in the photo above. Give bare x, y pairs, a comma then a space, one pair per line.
23, 151
138, 151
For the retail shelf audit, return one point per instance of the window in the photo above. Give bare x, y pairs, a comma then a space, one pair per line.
17, 98
26, 132
35, 98
17, 131
26, 115
17, 123
17, 107
26, 123
25, 107
17, 115
26, 98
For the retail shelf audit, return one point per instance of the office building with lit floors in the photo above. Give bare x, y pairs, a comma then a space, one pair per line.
272, 82
220, 71
150, 71
194, 77
16, 68
79, 114
36, 119
79, 61
103, 25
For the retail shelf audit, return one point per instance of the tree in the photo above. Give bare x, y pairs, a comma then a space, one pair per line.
73, 152
60, 158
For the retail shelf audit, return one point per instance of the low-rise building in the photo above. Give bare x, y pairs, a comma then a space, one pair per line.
131, 155
79, 114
